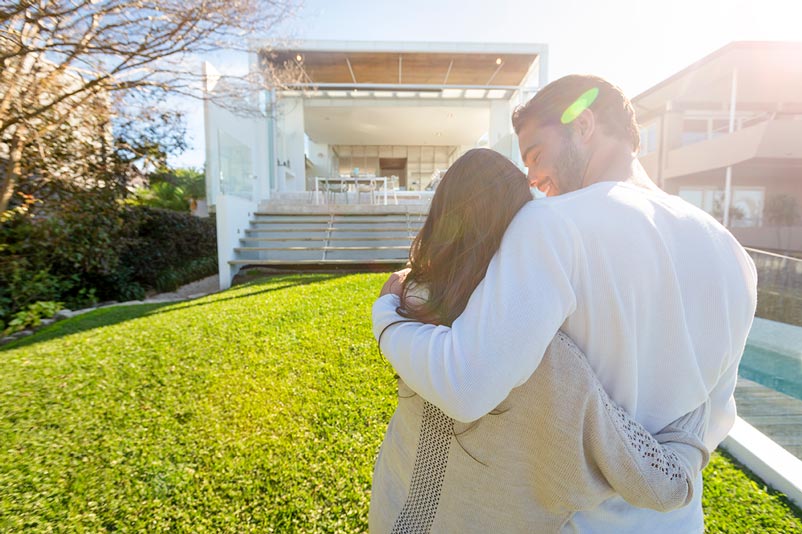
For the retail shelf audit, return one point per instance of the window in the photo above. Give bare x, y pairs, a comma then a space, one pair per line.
648, 139
706, 198
236, 173
746, 206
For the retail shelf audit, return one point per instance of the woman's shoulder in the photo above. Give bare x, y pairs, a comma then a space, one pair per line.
565, 361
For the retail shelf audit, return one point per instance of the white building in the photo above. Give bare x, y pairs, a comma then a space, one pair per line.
382, 109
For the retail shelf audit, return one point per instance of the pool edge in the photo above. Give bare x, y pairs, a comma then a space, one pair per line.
776, 466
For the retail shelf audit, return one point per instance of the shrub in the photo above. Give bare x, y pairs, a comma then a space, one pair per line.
32, 316
59, 250
170, 248
31, 267
90, 248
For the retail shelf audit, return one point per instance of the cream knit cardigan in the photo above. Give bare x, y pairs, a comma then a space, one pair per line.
556, 445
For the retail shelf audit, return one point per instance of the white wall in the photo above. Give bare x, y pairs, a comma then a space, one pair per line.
290, 138
321, 157
501, 137
233, 218
238, 144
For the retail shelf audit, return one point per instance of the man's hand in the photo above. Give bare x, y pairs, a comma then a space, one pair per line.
395, 283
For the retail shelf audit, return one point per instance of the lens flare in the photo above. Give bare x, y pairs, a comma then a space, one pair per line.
579, 105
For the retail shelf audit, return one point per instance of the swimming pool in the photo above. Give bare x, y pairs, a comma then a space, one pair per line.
774, 370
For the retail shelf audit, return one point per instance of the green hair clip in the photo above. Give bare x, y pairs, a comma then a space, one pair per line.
579, 105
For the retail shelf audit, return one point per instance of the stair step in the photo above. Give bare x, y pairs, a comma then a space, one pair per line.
337, 222
328, 214
317, 239
326, 229
316, 262
285, 239
255, 249
342, 228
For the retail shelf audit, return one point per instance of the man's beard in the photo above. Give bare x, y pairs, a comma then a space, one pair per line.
570, 166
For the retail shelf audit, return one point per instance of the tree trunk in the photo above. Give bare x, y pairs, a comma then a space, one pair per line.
11, 173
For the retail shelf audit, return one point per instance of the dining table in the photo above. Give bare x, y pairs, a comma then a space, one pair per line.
373, 181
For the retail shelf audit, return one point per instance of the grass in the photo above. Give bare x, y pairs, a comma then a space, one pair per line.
736, 501
259, 409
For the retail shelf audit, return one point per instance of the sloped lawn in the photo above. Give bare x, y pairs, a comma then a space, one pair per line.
259, 409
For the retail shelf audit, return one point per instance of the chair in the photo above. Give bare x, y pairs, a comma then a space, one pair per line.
369, 187
331, 187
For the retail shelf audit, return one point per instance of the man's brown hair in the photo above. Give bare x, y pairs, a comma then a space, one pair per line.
613, 110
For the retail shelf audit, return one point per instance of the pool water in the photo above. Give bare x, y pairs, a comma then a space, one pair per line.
774, 370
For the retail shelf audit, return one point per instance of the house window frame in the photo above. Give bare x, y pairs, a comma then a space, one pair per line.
712, 193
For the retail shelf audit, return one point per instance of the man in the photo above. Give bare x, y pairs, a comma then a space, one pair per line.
657, 294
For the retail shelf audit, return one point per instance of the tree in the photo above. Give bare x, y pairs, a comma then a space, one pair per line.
172, 189
782, 211
77, 64
736, 212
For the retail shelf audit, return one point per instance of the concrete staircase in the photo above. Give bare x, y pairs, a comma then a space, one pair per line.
281, 239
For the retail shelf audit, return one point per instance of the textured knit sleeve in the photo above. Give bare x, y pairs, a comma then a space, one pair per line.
648, 471
586, 449
502, 334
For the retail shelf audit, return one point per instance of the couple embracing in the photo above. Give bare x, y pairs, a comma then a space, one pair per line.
565, 364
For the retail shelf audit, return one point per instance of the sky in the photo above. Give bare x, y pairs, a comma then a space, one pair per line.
633, 43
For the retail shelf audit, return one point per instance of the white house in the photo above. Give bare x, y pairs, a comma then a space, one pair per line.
379, 109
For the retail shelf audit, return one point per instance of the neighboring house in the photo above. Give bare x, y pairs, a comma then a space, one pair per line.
727, 131
377, 108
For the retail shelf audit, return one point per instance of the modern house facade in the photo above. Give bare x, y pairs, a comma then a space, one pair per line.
380, 109
727, 132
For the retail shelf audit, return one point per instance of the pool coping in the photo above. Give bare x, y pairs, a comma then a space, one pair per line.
760, 454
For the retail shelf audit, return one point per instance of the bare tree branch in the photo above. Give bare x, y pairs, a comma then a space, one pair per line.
59, 56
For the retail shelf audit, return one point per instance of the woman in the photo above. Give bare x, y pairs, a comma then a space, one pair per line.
558, 444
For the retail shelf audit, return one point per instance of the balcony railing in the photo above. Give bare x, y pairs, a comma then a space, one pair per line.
770, 139
779, 287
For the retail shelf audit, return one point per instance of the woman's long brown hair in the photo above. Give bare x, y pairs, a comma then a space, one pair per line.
471, 209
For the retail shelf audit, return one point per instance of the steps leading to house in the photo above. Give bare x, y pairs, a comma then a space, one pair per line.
286, 239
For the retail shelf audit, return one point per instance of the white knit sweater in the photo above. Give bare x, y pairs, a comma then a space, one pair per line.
556, 445
657, 294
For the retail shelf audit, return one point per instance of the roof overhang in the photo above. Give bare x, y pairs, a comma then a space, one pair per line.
382, 65
767, 74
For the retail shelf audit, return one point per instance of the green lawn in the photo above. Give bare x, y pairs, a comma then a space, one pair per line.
259, 409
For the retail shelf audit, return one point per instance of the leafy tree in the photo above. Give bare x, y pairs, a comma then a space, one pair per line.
172, 189
782, 211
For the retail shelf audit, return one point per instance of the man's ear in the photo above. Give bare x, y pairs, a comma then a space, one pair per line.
585, 125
